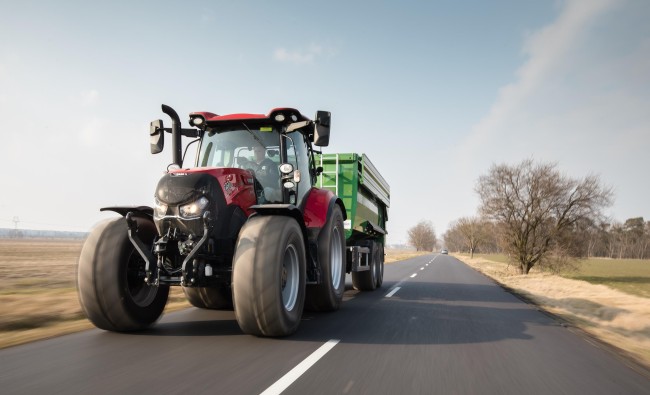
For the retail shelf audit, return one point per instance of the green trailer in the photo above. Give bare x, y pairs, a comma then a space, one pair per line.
366, 197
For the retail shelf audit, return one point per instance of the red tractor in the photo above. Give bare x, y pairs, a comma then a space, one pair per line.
243, 228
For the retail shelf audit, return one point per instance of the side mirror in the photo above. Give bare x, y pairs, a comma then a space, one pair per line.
156, 136
322, 129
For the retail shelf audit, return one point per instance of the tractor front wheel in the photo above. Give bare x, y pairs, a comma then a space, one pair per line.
110, 279
269, 276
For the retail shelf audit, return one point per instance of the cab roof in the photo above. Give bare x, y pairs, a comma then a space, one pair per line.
281, 115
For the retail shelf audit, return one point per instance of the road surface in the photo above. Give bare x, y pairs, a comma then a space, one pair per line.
436, 326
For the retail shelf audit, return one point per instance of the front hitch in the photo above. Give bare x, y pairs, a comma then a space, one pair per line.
151, 276
188, 277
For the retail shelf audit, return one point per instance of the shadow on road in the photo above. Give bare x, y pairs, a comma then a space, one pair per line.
424, 313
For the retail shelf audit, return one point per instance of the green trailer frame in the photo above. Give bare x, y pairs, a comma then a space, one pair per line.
364, 192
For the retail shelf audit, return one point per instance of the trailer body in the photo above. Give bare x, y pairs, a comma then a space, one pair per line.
366, 197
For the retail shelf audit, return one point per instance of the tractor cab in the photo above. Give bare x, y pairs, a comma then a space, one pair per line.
275, 148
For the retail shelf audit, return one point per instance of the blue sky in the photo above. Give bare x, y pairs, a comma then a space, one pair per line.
433, 92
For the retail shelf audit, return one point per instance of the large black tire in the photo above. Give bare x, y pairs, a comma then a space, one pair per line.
327, 295
367, 280
379, 265
110, 279
268, 278
209, 298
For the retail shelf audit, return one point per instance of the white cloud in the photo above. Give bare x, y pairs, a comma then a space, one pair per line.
89, 98
574, 101
90, 134
547, 52
299, 56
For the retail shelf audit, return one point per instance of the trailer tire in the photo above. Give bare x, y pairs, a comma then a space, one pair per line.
110, 279
209, 298
269, 276
367, 279
327, 295
379, 265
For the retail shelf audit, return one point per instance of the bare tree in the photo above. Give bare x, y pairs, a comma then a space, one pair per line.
536, 207
422, 236
473, 231
453, 239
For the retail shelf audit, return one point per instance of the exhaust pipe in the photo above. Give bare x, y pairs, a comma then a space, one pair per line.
177, 150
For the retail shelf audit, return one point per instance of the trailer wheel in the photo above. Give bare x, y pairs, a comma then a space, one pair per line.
367, 279
379, 265
110, 279
269, 276
327, 296
209, 298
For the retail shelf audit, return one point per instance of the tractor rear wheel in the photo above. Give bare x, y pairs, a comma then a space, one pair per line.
209, 298
327, 295
367, 279
110, 279
269, 276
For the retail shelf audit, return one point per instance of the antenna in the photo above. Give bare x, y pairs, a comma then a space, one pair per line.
16, 232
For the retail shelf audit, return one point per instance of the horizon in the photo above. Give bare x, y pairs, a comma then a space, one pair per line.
434, 93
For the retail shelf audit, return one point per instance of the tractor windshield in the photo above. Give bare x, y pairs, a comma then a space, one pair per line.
255, 149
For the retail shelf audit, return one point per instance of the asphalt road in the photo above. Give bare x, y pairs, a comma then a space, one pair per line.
447, 330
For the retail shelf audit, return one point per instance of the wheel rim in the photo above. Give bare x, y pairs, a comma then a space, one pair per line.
335, 258
290, 277
141, 293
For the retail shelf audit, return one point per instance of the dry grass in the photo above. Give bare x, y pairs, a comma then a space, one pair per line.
614, 316
393, 255
38, 296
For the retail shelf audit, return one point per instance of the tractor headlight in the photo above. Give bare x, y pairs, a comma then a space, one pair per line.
194, 209
159, 208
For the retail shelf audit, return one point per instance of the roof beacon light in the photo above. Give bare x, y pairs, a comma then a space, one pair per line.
280, 118
197, 121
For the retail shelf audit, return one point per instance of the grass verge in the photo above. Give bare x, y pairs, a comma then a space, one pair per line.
614, 316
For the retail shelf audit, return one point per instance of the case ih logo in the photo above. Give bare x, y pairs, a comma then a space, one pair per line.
228, 187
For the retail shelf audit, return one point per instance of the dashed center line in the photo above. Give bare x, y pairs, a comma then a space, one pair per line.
397, 287
301, 368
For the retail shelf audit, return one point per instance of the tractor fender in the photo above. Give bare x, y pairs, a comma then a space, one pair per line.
288, 210
318, 208
138, 211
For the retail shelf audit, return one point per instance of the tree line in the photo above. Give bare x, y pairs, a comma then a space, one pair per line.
540, 217
607, 239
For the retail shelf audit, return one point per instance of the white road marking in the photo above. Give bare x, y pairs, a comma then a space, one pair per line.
391, 293
413, 275
301, 368
421, 268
